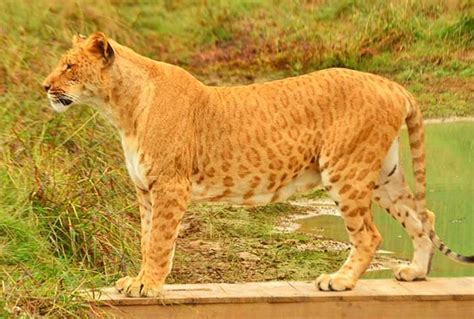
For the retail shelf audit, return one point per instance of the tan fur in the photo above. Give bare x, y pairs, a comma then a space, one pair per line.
252, 145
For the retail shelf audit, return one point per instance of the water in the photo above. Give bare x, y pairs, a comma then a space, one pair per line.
450, 195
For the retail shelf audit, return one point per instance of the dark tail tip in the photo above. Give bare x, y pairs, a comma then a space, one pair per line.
466, 259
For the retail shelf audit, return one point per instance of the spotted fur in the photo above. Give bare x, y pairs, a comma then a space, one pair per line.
253, 145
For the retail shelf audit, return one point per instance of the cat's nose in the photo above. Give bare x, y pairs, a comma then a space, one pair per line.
46, 86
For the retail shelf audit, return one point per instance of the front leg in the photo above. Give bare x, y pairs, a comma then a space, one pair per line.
168, 204
144, 205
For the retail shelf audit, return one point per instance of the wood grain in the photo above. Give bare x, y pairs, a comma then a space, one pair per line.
379, 298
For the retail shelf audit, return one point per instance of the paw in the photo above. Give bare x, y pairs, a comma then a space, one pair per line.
335, 282
137, 287
409, 273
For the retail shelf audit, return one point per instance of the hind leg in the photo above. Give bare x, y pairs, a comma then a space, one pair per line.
353, 193
393, 194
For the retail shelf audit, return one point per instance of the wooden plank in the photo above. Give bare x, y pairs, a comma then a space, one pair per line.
277, 291
387, 298
326, 309
382, 290
440, 289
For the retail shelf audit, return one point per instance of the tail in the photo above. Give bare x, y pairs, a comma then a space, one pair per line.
414, 122
448, 252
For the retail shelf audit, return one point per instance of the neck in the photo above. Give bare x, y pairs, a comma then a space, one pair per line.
136, 84
120, 100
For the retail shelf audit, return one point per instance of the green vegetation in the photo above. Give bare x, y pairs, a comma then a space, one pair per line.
68, 218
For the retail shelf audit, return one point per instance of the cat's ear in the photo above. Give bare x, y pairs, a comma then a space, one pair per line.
98, 45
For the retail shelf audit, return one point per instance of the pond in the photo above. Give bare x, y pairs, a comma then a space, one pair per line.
450, 195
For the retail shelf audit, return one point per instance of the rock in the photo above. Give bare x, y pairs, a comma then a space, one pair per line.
248, 256
200, 245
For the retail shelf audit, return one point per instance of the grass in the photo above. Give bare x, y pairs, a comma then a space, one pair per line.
68, 218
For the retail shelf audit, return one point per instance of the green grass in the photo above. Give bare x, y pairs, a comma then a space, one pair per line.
68, 218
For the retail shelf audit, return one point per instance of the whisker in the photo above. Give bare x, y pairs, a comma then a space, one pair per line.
74, 99
56, 91
72, 96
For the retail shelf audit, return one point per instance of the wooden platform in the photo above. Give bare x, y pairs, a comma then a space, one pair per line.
384, 298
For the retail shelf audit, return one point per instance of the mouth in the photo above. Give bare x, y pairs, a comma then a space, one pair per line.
59, 103
64, 101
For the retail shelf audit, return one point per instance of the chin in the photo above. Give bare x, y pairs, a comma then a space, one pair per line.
59, 107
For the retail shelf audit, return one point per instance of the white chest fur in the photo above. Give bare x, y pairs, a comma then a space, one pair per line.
132, 161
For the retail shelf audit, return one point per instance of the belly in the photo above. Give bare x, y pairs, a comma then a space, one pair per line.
245, 191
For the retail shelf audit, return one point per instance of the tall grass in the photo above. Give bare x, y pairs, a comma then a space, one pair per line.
68, 218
